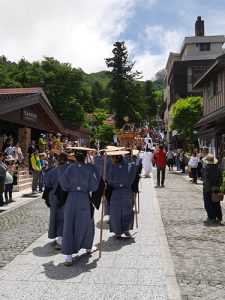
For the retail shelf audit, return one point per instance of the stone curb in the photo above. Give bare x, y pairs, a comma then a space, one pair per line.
19, 204
171, 279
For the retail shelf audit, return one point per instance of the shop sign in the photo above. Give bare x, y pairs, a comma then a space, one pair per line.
29, 115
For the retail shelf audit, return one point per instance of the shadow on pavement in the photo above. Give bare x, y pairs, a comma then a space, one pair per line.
105, 225
30, 195
115, 244
60, 272
46, 250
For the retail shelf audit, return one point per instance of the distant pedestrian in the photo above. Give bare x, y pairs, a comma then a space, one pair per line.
11, 169
31, 150
3, 169
42, 143
182, 161
18, 155
212, 180
147, 162
36, 170
170, 159
177, 159
199, 169
193, 163
161, 159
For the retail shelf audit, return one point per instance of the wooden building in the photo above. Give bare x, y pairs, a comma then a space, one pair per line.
184, 68
27, 112
211, 128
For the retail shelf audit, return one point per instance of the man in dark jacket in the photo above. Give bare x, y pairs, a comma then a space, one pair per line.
212, 180
160, 159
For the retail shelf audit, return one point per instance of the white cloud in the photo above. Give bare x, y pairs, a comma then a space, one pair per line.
164, 41
148, 3
79, 32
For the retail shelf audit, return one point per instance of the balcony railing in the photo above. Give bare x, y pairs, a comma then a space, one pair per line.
214, 103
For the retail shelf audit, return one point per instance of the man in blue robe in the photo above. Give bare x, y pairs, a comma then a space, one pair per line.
120, 177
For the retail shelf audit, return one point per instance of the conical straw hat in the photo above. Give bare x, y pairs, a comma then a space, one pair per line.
116, 153
81, 149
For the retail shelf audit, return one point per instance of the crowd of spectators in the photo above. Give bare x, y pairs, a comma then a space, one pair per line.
42, 155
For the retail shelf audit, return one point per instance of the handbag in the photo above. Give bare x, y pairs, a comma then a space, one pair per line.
8, 178
217, 197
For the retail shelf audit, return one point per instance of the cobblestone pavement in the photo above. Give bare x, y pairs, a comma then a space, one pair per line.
20, 227
198, 251
128, 269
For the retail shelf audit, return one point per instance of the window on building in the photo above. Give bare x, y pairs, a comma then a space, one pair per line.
197, 71
217, 84
204, 46
210, 89
214, 86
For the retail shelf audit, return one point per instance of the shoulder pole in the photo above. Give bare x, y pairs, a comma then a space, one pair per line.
135, 203
102, 212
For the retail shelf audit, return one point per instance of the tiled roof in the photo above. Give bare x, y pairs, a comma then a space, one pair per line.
21, 91
15, 93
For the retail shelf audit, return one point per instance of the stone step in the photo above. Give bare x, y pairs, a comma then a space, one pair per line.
25, 180
24, 176
21, 187
23, 172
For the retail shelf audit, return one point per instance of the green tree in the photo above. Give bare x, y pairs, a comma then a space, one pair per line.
122, 78
105, 134
185, 113
100, 116
73, 112
7, 69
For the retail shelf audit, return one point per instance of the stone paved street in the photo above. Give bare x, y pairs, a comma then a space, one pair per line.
139, 268
198, 251
20, 227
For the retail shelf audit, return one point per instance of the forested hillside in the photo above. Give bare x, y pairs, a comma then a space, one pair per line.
73, 93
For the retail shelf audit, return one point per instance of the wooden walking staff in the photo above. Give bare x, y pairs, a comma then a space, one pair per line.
102, 212
138, 201
135, 203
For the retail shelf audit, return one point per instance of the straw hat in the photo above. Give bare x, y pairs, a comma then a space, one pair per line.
55, 151
9, 158
116, 153
81, 149
112, 148
135, 152
71, 157
210, 159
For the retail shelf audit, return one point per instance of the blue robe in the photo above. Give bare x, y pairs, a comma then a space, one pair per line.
78, 231
120, 177
99, 164
51, 180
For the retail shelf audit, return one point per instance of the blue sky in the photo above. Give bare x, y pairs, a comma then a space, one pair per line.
83, 32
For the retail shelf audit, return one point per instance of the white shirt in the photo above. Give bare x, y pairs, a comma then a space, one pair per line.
193, 162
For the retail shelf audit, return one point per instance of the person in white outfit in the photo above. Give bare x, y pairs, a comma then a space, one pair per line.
193, 163
147, 162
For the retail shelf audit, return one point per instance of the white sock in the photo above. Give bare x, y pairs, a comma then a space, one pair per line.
93, 249
59, 240
69, 258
